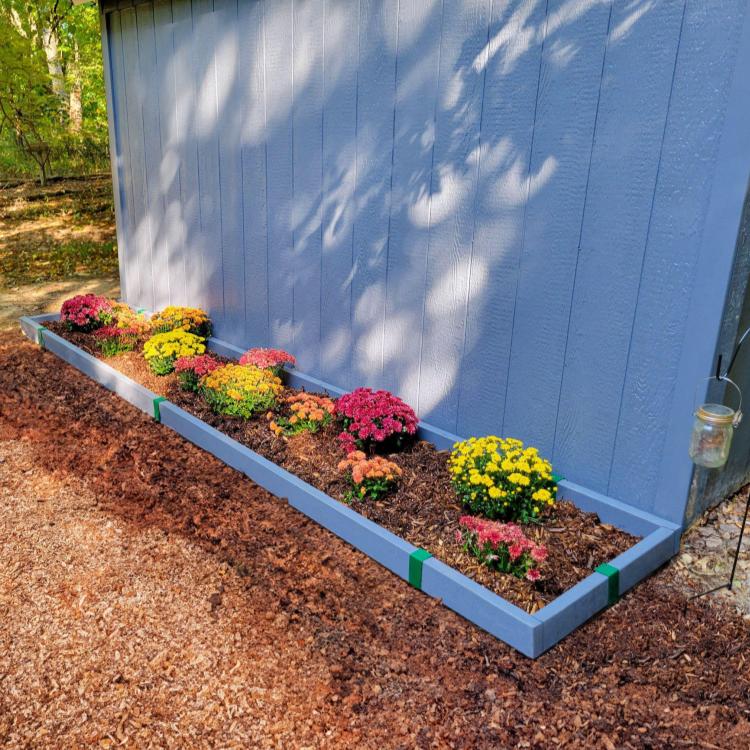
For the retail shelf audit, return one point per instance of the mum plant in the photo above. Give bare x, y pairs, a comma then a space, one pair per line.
125, 317
501, 546
308, 412
240, 391
191, 369
500, 478
268, 359
173, 318
370, 478
374, 419
86, 312
163, 349
113, 340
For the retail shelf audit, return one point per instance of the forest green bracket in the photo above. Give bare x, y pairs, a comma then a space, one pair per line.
157, 411
415, 566
613, 581
557, 478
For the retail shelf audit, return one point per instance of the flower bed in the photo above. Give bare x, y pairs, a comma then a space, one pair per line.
422, 508
532, 634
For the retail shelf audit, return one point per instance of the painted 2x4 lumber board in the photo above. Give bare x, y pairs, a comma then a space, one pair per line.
458, 592
571, 609
626, 517
644, 558
482, 607
102, 373
384, 547
30, 328
477, 604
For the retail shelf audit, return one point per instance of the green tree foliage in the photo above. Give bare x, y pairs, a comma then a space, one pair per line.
52, 107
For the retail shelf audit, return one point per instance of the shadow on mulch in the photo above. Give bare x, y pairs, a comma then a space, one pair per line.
653, 671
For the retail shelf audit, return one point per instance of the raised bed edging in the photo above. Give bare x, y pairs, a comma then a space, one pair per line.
529, 634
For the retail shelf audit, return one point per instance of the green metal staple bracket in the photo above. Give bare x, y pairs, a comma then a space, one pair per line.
40, 336
415, 566
157, 411
613, 581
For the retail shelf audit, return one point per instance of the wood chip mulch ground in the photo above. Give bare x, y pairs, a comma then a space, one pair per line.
152, 597
423, 509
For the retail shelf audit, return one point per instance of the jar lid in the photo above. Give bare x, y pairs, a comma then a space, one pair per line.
715, 414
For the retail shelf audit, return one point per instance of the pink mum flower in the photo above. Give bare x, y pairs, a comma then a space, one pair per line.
86, 311
373, 417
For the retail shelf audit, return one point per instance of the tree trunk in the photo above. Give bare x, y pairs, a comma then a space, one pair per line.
51, 45
75, 105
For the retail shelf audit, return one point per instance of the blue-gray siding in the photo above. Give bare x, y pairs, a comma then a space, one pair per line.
493, 208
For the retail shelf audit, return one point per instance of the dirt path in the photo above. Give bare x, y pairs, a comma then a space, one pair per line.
152, 597
32, 299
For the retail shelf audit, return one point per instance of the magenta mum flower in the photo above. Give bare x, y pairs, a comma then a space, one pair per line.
85, 312
374, 417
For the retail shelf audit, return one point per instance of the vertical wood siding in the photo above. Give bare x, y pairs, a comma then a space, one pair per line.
491, 207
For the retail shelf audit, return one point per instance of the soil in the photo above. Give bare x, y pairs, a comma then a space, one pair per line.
423, 509
153, 597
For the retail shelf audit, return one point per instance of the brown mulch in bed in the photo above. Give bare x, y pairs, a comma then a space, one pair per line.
117, 628
423, 510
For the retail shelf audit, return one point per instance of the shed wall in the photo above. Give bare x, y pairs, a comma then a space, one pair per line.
495, 209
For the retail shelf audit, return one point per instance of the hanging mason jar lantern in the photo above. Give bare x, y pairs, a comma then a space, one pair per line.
713, 430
